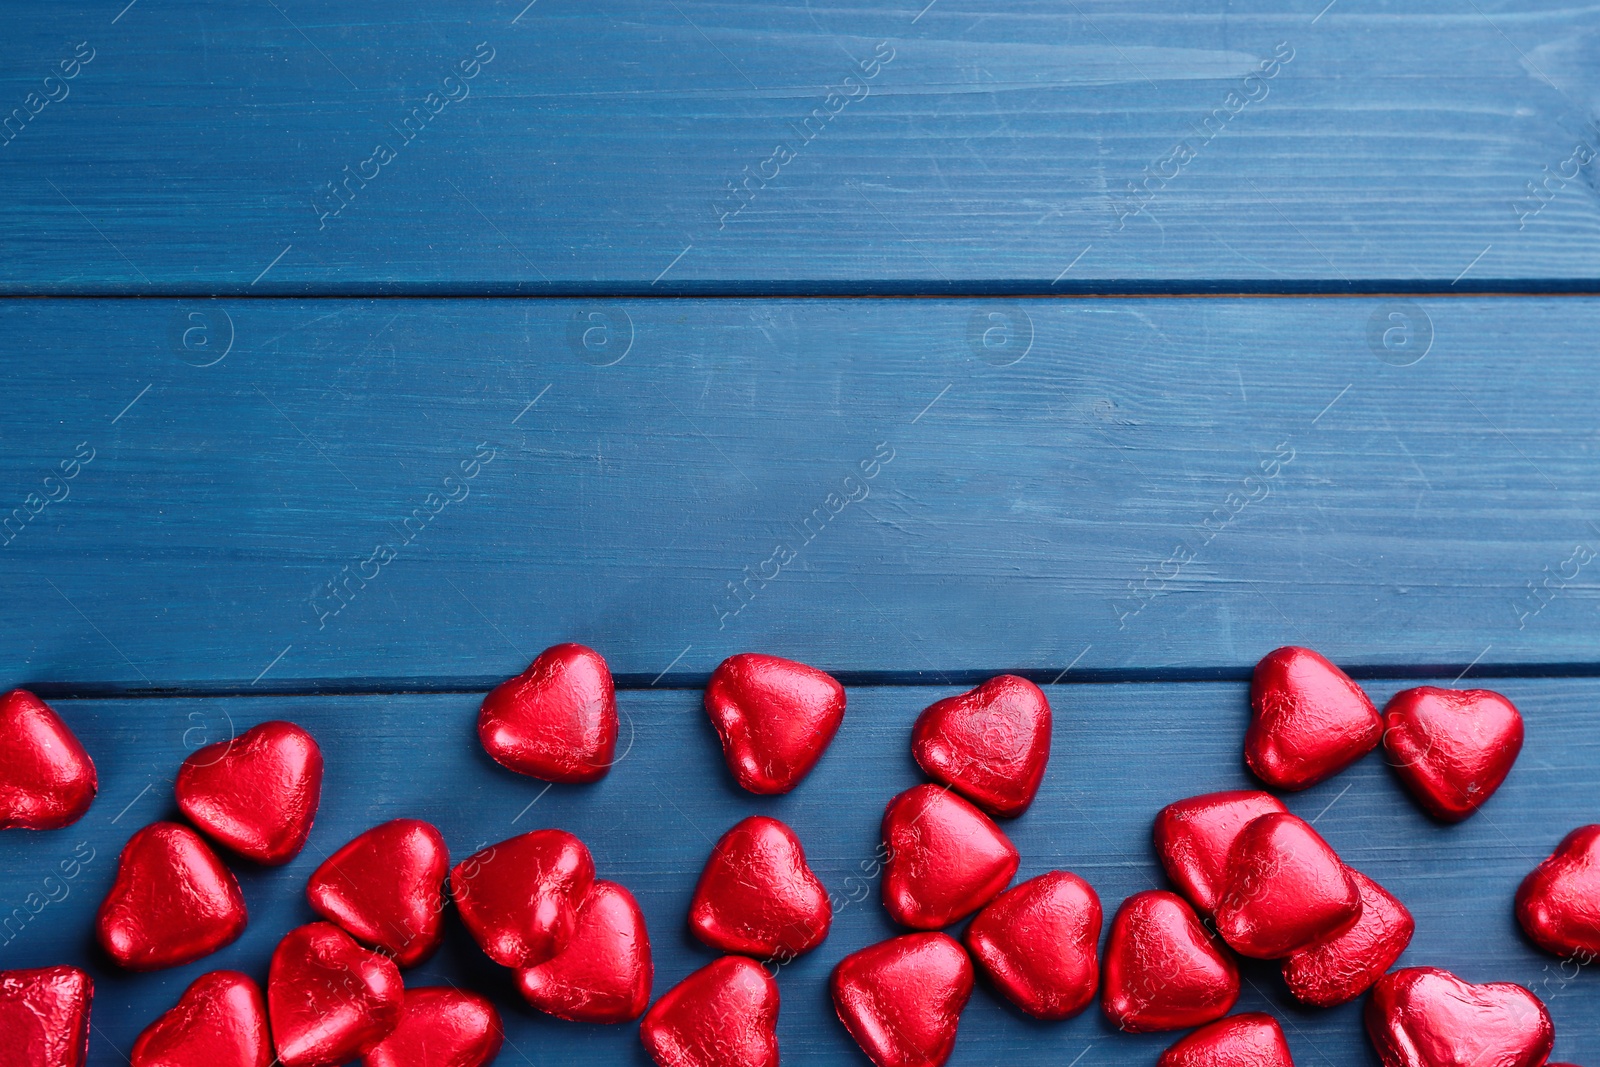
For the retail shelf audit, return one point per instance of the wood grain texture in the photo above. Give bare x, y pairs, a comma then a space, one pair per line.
1156, 486
995, 150
1120, 753
341, 503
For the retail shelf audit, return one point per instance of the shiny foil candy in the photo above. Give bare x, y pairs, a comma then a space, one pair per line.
1309, 721
775, 717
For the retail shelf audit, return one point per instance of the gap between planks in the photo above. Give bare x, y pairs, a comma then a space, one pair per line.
965, 677
888, 290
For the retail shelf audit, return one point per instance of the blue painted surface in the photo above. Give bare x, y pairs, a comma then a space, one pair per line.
1157, 485
1120, 753
996, 147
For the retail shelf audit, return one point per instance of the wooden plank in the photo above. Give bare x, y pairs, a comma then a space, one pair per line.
650, 824
604, 147
1157, 486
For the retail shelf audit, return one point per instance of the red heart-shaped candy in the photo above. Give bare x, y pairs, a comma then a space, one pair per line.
44, 1016
257, 794
1342, 969
758, 897
330, 1000
441, 1027
990, 744
1451, 747
557, 720
220, 1021
47, 780
775, 717
1038, 942
901, 999
1310, 720
386, 888
946, 859
519, 899
723, 1015
1426, 1017
1285, 890
604, 973
1162, 971
1193, 838
172, 901
1558, 904
1249, 1040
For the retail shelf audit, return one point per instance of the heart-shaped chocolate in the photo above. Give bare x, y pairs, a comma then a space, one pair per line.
171, 902
1338, 971
220, 1021
1038, 943
604, 974
1193, 837
946, 859
1309, 721
902, 999
386, 889
257, 794
757, 896
1558, 904
1427, 1017
1252, 1039
44, 1017
330, 1000
441, 1027
1285, 890
1162, 970
519, 899
1451, 747
557, 720
47, 780
775, 717
990, 744
723, 1015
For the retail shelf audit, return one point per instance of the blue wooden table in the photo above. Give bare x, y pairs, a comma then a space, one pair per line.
1170, 332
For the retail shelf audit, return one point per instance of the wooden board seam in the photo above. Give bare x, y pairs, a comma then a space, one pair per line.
1461, 672
913, 288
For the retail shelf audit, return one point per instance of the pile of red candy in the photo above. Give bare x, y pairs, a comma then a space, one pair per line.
1251, 879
